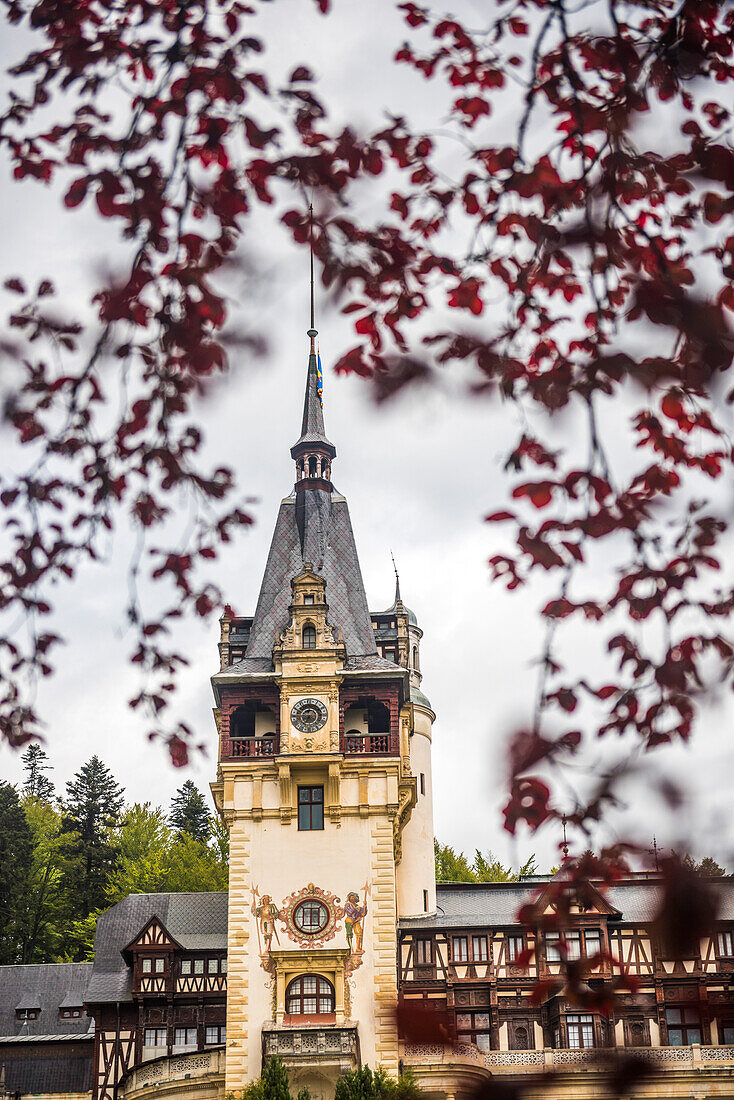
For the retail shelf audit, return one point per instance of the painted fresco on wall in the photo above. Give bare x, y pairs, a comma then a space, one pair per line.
310, 917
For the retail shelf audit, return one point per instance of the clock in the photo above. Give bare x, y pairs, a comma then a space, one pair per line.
308, 715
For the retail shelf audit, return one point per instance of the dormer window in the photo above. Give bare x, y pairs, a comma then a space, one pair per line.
70, 1013
26, 1013
308, 600
309, 637
154, 966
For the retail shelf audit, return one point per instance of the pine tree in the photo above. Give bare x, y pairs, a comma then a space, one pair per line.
92, 808
275, 1081
35, 763
189, 813
16, 850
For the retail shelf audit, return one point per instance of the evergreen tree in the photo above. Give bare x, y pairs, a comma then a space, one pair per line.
36, 784
92, 809
275, 1080
193, 866
16, 849
452, 866
363, 1084
189, 813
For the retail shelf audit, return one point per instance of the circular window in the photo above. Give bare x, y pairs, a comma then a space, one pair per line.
310, 917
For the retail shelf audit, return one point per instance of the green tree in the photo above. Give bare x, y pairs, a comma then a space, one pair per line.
16, 850
92, 809
455, 867
364, 1084
36, 784
54, 861
189, 813
143, 842
276, 1085
193, 866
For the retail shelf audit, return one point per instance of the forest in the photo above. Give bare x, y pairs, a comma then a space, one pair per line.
64, 858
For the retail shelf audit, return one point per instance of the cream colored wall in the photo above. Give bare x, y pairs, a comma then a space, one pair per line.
280, 860
416, 871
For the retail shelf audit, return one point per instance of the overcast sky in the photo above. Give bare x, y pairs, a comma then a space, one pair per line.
419, 475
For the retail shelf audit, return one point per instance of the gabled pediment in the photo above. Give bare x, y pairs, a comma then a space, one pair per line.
153, 934
575, 899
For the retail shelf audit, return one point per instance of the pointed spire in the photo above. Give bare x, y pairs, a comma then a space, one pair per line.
312, 451
397, 581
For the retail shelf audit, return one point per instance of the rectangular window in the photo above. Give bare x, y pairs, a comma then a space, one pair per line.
147, 966
592, 942
573, 945
552, 947
160, 966
424, 952
423, 782
726, 1037
460, 949
308, 600
473, 1027
425, 901
213, 966
155, 1037
215, 1034
310, 808
580, 1032
479, 949
185, 966
185, 1037
684, 1026
198, 966
223, 966
726, 944
515, 947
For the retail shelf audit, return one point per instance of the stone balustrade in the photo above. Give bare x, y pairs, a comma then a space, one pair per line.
524, 1061
199, 1074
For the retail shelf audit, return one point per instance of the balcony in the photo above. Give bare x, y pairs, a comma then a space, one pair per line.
313, 1054
238, 748
667, 1059
368, 743
200, 1073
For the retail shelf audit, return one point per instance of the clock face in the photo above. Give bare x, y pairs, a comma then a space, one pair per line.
308, 715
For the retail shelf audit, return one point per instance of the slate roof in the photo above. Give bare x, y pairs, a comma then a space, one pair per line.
60, 1074
43, 986
312, 526
196, 921
491, 905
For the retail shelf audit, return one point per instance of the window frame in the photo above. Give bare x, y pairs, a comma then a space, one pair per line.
156, 1031
583, 1021
187, 1032
462, 956
725, 936
684, 1026
308, 636
310, 804
512, 940
300, 996
469, 1034
220, 1029
419, 945
481, 956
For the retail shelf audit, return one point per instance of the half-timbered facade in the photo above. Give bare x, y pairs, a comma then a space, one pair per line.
333, 916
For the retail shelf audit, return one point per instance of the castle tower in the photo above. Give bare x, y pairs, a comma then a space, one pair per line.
324, 782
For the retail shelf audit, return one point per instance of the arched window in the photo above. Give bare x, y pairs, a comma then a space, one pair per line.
309, 637
309, 995
521, 1038
415, 657
312, 466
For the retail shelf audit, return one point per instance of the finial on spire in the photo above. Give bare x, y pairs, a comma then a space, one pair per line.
312, 332
397, 580
564, 845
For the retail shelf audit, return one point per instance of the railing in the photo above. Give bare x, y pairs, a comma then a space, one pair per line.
180, 1067
294, 1044
368, 743
234, 748
514, 1061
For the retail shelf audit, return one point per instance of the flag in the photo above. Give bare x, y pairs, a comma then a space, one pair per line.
319, 379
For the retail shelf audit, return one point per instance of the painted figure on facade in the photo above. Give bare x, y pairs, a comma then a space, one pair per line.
266, 913
354, 914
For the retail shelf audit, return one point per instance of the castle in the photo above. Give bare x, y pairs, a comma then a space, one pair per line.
333, 916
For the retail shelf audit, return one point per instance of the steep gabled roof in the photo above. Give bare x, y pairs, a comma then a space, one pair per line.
195, 921
329, 545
